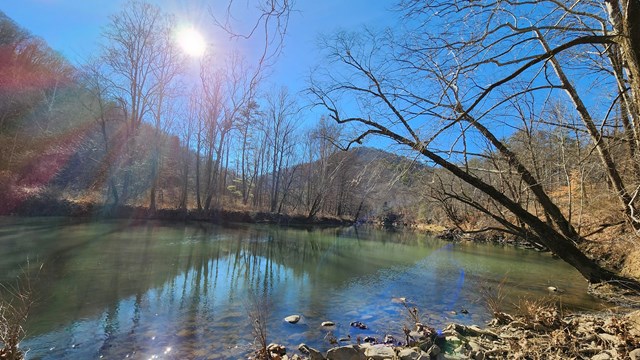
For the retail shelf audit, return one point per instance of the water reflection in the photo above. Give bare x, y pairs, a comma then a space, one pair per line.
116, 289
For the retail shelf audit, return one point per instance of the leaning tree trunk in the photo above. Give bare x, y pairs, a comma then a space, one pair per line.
562, 246
625, 18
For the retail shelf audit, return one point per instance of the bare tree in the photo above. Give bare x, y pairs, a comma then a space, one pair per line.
441, 87
269, 25
320, 172
279, 123
187, 129
226, 96
131, 55
247, 136
166, 68
105, 109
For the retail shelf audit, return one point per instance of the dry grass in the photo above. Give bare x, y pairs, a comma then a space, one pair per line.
430, 228
541, 312
493, 297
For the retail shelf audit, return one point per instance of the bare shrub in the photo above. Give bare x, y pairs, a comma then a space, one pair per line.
538, 311
412, 313
258, 309
16, 301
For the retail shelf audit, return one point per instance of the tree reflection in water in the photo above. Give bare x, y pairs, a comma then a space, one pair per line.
181, 290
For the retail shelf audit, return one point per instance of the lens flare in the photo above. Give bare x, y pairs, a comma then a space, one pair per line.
191, 41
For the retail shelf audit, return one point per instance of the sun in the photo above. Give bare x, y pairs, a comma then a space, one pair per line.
191, 41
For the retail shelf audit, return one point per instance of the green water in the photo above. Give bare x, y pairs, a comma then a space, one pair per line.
118, 289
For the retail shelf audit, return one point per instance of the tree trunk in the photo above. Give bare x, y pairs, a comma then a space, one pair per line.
154, 181
562, 246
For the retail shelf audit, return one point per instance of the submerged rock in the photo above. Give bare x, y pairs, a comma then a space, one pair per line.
370, 339
359, 325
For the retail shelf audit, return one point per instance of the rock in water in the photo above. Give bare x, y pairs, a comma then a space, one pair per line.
277, 349
359, 325
389, 339
370, 339
327, 323
553, 289
292, 319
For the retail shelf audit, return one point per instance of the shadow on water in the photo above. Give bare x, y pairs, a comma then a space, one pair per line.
114, 288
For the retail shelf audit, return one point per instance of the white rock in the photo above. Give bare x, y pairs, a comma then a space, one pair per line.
292, 319
327, 323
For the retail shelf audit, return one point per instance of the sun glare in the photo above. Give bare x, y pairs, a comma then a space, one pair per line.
191, 41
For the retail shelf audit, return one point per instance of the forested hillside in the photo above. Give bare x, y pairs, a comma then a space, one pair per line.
67, 146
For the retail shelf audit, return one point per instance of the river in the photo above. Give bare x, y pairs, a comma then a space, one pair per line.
143, 289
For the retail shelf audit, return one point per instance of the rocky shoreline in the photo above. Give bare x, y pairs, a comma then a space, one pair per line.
456, 235
538, 333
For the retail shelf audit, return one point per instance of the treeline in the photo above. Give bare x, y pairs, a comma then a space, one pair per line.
121, 130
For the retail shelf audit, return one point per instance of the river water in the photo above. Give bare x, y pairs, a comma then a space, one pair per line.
122, 289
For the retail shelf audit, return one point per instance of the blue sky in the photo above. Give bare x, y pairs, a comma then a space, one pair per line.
73, 27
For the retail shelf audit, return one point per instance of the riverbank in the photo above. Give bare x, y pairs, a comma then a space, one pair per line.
43, 206
537, 332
